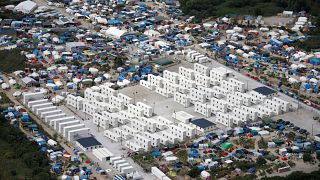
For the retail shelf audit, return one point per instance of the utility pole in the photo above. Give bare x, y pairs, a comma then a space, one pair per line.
134, 97
154, 105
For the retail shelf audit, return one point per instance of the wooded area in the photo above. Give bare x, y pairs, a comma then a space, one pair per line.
19, 157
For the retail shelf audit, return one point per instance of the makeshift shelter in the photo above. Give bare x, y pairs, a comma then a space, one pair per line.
26, 7
115, 32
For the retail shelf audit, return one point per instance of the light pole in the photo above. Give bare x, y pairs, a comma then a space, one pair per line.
154, 105
134, 97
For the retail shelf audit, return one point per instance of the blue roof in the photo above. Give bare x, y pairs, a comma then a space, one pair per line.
203, 123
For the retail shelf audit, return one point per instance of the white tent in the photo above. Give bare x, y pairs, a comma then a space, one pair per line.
12, 82
152, 33
93, 70
98, 80
294, 66
26, 7
107, 76
17, 93
4, 86
313, 80
303, 79
76, 80
292, 80
115, 32
57, 99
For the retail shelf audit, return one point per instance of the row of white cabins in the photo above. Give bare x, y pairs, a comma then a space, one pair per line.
212, 92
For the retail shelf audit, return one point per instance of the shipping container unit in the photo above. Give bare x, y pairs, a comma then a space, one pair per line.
32, 97
65, 124
159, 174
203, 60
38, 106
182, 116
46, 109
54, 122
49, 113
99, 155
113, 159
106, 152
103, 153
55, 116
196, 58
67, 129
121, 166
116, 163
193, 56
77, 133
127, 170
41, 101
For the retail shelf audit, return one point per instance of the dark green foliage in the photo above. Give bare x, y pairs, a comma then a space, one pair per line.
297, 175
19, 157
194, 172
205, 8
11, 60
261, 161
307, 157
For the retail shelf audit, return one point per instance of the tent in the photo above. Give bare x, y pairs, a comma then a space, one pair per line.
26, 7
115, 32
226, 145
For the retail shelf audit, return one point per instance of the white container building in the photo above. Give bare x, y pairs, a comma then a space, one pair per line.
40, 101
172, 77
38, 106
32, 96
126, 99
201, 69
54, 116
112, 135
65, 124
182, 99
203, 108
197, 96
182, 116
224, 119
202, 80
135, 111
66, 129
83, 132
46, 109
147, 110
48, 113
55, 123
100, 120
186, 73
219, 105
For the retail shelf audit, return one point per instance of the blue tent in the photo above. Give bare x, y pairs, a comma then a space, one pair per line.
25, 118
114, 22
252, 170
156, 153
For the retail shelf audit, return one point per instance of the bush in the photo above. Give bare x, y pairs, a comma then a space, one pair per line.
261, 161
194, 172
307, 157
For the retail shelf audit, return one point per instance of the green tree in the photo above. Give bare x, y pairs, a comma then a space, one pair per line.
307, 157
261, 161
194, 172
